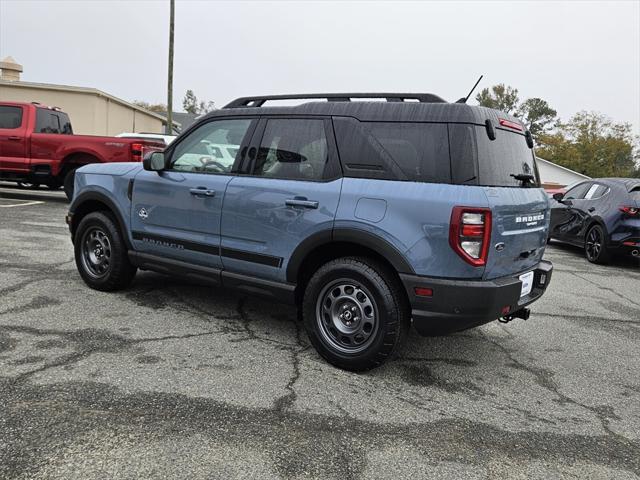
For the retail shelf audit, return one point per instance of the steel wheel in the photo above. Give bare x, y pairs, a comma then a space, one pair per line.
96, 252
594, 244
347, 316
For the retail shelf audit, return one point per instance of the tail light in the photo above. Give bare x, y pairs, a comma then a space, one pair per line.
631, 211
136, 152
470, 233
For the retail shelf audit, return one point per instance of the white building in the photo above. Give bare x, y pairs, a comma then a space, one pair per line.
556, 176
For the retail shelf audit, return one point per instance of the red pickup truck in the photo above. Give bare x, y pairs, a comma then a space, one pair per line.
37, 146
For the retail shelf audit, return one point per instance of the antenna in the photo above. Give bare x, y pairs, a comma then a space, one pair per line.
464, 99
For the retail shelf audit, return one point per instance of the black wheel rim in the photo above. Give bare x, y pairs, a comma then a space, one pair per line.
347, 316
96, 252
594, 243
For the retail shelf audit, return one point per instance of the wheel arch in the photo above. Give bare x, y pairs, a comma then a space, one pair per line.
328, 245
77, 159
90, 202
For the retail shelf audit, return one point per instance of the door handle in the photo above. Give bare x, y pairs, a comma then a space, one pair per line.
592, 209
301, 202
204, 191
15, 139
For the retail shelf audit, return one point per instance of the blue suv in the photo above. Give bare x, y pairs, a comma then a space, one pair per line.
370, 212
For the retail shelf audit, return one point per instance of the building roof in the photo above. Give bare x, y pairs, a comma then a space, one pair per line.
183, 118
568, 170
91, 91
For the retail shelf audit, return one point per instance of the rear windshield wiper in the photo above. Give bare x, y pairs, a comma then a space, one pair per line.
525, 178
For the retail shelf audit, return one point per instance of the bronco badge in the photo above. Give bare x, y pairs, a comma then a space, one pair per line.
142, 213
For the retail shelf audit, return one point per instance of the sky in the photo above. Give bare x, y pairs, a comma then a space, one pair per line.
576, 55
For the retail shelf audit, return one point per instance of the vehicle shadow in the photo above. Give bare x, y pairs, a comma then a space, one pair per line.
618, 260
17, 193
245, 316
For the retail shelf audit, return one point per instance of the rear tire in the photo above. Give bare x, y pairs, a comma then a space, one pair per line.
67, 183
355, 313
595, 245
101, 253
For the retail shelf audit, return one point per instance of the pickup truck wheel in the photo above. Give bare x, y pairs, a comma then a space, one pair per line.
67, 183
101, 254
355, 313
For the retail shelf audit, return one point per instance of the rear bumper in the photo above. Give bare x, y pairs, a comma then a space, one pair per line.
461, 304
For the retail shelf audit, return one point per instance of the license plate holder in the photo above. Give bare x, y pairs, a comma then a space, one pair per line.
527, 283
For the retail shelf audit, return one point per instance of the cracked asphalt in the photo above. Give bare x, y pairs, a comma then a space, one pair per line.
171, 379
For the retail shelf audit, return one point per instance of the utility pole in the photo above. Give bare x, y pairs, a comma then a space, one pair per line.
169, 129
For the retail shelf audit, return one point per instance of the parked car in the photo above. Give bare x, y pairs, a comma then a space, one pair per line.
600, 215
368, 215
166, 139
38, 147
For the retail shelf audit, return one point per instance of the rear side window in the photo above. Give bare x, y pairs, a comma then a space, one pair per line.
503, 157
596, 191
65, 123
10, 117
292, 149
47, 121
421, 150
417, 152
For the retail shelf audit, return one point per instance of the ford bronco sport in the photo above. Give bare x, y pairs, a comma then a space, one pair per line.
369, 215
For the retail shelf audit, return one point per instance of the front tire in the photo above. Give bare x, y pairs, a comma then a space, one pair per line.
355, 313
595, 245
101, 254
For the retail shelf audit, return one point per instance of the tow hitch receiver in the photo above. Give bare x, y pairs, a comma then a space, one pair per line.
523, 313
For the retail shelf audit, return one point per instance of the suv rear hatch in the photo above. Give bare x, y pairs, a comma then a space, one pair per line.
519, 207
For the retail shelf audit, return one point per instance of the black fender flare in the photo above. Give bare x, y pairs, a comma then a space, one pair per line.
351, 235
102, 198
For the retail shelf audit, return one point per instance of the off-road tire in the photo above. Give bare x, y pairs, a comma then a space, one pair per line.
120, 272
391, 309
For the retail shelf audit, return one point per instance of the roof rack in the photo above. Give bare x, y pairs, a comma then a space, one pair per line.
336, 97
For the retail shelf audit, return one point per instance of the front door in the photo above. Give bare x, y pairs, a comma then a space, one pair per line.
176, 213
13, 142
566, 217
289, 192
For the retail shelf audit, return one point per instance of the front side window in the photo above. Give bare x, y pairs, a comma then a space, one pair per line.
10, 117
292, 149
211, 148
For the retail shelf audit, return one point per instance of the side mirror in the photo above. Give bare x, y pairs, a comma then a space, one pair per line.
558, 196
154, 162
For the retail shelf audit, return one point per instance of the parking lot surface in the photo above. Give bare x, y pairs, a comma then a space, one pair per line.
171, 379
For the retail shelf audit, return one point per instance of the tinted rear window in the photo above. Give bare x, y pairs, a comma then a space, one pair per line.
51, 121
635, 194
10, 117
500, 158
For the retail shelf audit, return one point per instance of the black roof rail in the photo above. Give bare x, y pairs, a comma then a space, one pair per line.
336, 97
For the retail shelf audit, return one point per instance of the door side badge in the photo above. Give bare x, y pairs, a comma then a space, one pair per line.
142, 213
499, 247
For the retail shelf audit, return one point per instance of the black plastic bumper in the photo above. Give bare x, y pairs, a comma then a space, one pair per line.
461, 304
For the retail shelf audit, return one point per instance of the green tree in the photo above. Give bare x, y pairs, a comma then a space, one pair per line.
537, 115
206, 107
499, 97
592, 144
190, 102
153, 107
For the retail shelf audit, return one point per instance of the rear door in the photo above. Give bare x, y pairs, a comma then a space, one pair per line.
290, 191
13, 141
176, 213
519, 208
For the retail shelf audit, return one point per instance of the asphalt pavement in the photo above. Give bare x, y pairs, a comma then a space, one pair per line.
171, 379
